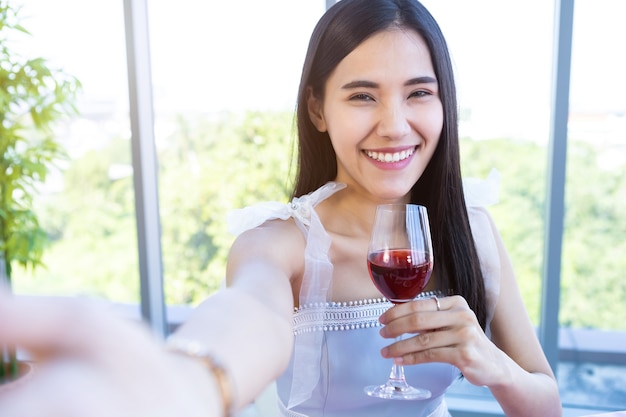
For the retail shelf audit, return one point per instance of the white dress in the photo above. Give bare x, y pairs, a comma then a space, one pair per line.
337, 345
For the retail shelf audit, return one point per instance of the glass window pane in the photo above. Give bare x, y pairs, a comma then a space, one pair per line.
503, 77
87, 207
225, 81
503, 72
593, 294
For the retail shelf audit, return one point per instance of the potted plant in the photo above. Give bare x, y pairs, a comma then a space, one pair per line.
33, 98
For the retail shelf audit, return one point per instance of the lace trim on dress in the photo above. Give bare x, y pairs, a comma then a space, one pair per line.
347, 315
339, 316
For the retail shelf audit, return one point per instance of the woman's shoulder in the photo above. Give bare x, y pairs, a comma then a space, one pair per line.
276, 243
271, 234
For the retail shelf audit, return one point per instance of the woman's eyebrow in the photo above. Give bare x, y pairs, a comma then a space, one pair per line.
360, 84
371, 84
421, 80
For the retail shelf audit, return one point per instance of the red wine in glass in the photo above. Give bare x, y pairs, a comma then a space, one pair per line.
399, 274
400, 262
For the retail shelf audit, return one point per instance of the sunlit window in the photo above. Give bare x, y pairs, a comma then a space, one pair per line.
593, 288
503, 72
88, 207
225, 85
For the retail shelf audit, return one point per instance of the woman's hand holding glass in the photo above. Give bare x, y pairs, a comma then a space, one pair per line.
447, 331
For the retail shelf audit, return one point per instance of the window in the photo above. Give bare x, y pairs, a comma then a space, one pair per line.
503, 78
592, 371
225, 81
504, 69
88, 208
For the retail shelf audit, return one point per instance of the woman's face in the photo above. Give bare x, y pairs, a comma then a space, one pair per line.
382, 111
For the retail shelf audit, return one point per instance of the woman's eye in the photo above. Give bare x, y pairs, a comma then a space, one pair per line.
419, 93
361, 97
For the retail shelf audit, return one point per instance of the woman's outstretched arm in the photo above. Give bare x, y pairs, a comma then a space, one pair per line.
91, 362
248, 326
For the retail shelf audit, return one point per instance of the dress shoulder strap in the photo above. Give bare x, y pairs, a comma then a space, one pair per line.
316, 281
300, 208
480, 193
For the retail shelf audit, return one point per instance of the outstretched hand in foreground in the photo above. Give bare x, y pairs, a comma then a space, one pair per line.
90, 362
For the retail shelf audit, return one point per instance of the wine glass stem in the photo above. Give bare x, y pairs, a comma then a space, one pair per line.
397, 371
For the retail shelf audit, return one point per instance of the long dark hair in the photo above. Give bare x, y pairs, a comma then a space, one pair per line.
342, 28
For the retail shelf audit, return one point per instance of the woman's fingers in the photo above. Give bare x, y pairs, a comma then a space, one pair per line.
47, 326
450, 334
37, 322
421, 315
455, 345
447, 331
81, 329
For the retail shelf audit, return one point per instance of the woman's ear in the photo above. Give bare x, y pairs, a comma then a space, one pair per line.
316, 114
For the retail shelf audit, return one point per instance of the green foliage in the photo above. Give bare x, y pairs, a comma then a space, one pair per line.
208, 168
91, 224
519, 213
593, 288
33, 98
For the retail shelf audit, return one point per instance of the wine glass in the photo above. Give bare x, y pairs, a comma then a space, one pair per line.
400, 262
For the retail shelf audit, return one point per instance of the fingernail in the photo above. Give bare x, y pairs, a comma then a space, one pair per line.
398, 361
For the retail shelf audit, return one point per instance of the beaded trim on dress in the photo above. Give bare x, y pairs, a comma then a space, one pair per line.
347, 315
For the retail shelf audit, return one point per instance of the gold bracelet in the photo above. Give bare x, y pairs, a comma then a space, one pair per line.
200, 353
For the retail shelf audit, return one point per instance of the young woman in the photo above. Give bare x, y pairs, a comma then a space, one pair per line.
377, 123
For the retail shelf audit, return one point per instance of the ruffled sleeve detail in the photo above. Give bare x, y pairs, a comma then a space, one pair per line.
482, 192
300, 208
318, 272
479, 194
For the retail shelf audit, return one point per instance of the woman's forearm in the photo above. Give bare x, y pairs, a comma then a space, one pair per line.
527, 394
248, 337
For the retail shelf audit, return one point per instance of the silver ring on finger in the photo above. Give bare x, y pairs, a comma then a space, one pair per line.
434, 297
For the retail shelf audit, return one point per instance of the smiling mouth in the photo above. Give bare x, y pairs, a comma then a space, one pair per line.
390, 156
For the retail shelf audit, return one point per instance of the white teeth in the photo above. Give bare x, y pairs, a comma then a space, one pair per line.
390, 157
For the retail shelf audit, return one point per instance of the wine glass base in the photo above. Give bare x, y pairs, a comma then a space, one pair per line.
392, 391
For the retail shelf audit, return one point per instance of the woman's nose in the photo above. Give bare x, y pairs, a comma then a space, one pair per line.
393, 122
